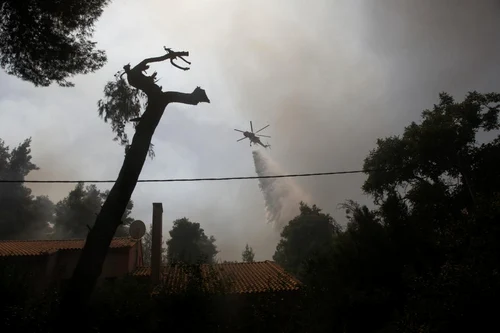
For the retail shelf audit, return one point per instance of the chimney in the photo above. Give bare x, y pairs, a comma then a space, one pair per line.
156, 238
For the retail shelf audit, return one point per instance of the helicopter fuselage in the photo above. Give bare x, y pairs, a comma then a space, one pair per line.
255, 139
250, 135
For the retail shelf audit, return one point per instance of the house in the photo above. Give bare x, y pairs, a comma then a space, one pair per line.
233, 297
236, 297
53, 261
228, 278
233, 278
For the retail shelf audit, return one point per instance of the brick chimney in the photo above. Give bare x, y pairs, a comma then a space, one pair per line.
156, 241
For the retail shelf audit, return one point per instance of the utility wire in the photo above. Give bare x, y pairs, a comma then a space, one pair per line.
171, 180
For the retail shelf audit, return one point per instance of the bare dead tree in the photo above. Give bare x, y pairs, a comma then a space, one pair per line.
89, 266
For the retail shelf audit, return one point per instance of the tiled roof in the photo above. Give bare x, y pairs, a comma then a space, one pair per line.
44, 247
253, 277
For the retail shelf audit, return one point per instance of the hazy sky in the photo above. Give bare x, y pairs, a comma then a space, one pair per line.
330, 78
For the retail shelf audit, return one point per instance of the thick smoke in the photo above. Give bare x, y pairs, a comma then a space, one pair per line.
329, 76
281, 195
333, 76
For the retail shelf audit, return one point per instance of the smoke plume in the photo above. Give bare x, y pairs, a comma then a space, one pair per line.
281, 195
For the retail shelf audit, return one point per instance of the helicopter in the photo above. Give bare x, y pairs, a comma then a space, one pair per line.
253, 136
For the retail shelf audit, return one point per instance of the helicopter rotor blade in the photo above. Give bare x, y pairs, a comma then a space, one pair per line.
243, 138
237, 130
251, 126
262, 129
264, 136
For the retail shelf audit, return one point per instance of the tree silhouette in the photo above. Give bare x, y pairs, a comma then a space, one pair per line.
99, 238
306, 234
247, 255
426, 259
48, 41
22, 215
75, 215
189, 244
438, 154
438, 189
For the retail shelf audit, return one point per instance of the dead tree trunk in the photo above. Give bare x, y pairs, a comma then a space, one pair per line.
89, 266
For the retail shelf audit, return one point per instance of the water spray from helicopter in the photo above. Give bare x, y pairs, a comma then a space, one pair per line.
281, 195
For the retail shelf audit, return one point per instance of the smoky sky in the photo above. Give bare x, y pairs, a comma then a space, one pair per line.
330, 77
335, 77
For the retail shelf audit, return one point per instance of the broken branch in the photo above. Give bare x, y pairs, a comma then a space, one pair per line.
169, 55
197, 96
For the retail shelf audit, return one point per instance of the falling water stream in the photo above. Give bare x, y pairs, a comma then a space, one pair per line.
281, 195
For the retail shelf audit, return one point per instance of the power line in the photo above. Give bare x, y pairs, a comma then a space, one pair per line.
171, 180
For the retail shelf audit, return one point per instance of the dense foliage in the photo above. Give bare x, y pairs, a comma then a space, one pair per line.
49, 41
25, 216
22, 214
427, 258
305, 236
189, 244
75, 214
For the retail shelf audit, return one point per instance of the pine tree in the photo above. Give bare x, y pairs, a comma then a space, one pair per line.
247, 255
